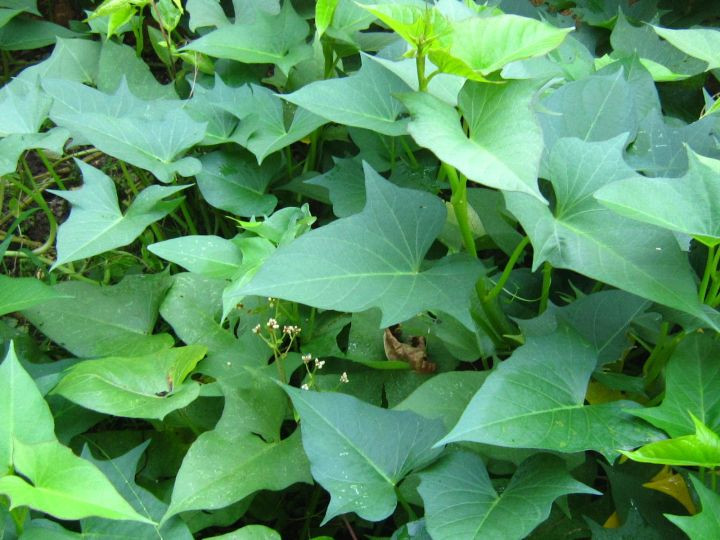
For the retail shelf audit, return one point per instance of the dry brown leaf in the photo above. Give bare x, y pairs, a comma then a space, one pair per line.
414, 353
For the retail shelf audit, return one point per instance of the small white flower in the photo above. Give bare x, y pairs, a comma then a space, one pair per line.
256, 329
305, 387
228, 364
306, 358
344, 378
272, 323
319, 363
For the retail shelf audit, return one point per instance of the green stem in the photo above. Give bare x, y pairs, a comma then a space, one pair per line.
329, 60
458, 199
312, 152
546, 282
159, 236
188, 218
412, 516
519, 249
420, 67
497, 318
50, 168
706, 274
408, 152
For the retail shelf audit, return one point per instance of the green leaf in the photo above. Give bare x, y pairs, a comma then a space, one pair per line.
264, 130
244, 453
12, 146
477, 46
505, 143
461, 501
71, 59
702, 43
692, 382
702, 449
269, 39
444, 396
358, 452
63, 485
207, 255
23, 293
26, 416
364, 100
232, 182
148, 134
415, 22
535, 400
250, 532
193, 308
121, 472
373, 259
205, 13
23, 33
324, 11
596, 108
149, 386
23, 107
345, 185
97, 225
583, 236
689, 205
706, 524
92, 321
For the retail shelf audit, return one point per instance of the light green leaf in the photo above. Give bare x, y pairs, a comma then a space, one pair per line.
706, 524
23, 33
689, 205
12, 146
505, 143
207, 255
94, 321
97, 225
269, 39
364, 100
63, 485
477, 46
702, 449
264, 130
244, 453
414, 21
324, 11
596, 108
692, 381
444, 396
26, 416
121, 472
193, 307
149, 386
23, 107
251, 532
234, 183
205, 13
583, 236
359, 452
148, 134
373, 259
702, 43
461, 501
71, 59
22, 293
535, 400
345, 184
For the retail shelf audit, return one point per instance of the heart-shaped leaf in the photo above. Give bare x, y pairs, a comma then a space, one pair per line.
373, 259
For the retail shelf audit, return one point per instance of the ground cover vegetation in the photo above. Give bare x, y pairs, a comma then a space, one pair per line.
366, 269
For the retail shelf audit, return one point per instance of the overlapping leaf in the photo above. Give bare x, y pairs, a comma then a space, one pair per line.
461, 501
689, 205
22, 293
149, 386
364, 100
535, 400
372, 259
148, 134
63, 485
692, 382
269, 39
358, 452
585, 237
505, 143
706, 524
701, 43
97, 225
26, 416
207, 255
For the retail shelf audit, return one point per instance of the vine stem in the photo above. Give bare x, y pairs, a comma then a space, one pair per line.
459, 202
710, 268
546, 282
517, 252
